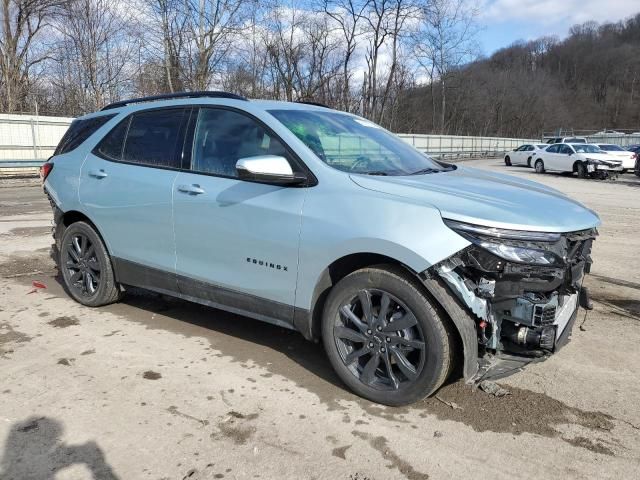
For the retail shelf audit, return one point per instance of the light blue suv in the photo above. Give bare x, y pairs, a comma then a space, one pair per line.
323, 222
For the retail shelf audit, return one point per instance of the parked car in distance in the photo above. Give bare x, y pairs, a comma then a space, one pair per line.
523, 155
628, 158
322, 222
566, 140
585, 159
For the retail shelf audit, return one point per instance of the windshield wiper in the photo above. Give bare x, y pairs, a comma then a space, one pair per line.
425, 170
376, 172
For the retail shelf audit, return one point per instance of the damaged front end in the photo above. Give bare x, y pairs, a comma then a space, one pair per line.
522, 289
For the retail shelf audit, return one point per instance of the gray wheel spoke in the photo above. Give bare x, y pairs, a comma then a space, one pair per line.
75, 277
88, 279
353, 356
389, 368
385, 301
403, 364
89, 253
72, 253
346, 311
94, 265
405, 341
365, 301
76, 245
408, 320
349, 334
369, 372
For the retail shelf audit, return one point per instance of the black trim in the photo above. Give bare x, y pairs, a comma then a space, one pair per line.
135, 274
174, 96
315, 104
187, 148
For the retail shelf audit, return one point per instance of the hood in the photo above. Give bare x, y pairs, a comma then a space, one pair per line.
620, 154
486, 198
605, 157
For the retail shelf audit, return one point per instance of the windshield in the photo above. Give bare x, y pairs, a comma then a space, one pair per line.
611, 148
586, 148
353, 144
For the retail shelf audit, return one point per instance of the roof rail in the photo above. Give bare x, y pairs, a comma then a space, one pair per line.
171, 96
317, 104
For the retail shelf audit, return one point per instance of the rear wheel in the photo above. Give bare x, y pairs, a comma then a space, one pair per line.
507, 161
539, 166
86, 267
384, 338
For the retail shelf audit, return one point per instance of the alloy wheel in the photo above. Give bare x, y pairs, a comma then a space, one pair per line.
82, 267
380, 340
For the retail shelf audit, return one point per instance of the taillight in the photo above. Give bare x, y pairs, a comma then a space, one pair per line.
45, 170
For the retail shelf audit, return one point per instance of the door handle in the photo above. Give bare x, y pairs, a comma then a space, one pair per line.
97, 173
193, 189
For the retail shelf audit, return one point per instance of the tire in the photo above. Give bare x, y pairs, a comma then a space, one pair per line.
539, 166
507, 161
86, 267
581, 168
419, 355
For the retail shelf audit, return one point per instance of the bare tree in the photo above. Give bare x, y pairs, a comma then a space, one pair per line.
444, 41
22, 23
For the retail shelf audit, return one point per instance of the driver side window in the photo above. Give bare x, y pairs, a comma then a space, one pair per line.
222, 137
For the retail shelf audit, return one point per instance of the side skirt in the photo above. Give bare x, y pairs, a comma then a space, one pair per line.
134, 274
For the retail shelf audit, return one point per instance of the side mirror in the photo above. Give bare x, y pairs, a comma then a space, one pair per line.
268, 169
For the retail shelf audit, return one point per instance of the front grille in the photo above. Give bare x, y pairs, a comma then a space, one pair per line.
544, 315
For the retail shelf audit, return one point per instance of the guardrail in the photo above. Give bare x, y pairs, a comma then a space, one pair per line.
20, 168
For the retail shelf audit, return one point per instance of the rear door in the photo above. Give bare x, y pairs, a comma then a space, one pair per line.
550, 157
236, 240
126, 188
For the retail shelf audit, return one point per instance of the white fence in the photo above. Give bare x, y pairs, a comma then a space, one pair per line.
30, 137
454, 145
28, 140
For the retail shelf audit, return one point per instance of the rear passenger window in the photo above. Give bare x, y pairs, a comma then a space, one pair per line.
79, 131
111, 145
152, 138
223, 137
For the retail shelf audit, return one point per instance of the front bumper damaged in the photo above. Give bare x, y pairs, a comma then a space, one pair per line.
520, 313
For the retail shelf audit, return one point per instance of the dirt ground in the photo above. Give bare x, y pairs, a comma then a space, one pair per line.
154, 388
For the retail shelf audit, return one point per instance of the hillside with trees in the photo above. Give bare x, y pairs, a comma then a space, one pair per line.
588, 81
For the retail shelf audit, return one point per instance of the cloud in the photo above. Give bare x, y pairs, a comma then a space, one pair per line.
555, 13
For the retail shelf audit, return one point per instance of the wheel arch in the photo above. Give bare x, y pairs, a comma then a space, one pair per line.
63, 220
309, 322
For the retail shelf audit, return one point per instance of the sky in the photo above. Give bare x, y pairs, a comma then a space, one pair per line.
503, 22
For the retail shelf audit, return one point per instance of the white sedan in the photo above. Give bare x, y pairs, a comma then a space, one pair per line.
582, 158
628, 158
524, 154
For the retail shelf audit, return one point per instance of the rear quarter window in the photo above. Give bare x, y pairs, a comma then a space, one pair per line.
79, 131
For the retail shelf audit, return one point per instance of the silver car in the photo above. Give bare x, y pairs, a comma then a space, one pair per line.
323, 222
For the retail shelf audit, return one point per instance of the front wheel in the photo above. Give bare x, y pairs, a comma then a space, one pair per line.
86, 267
507, 161
539, 166
384, 337
581, 168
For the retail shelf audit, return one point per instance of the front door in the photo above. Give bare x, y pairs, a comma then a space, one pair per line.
236, 241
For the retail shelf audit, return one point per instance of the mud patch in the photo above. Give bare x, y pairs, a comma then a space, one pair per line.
64, 322
89, 352
151, 375
30, 231
39, 262
381, 445
340, 452
523, 411
237, 427
67, 362
591, 445
10, 336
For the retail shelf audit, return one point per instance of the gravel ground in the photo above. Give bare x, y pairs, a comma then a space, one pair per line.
157, 388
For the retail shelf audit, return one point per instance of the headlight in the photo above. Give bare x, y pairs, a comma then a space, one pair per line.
595, 161
512, 245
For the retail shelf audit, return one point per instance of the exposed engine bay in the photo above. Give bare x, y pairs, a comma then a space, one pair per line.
523, 293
